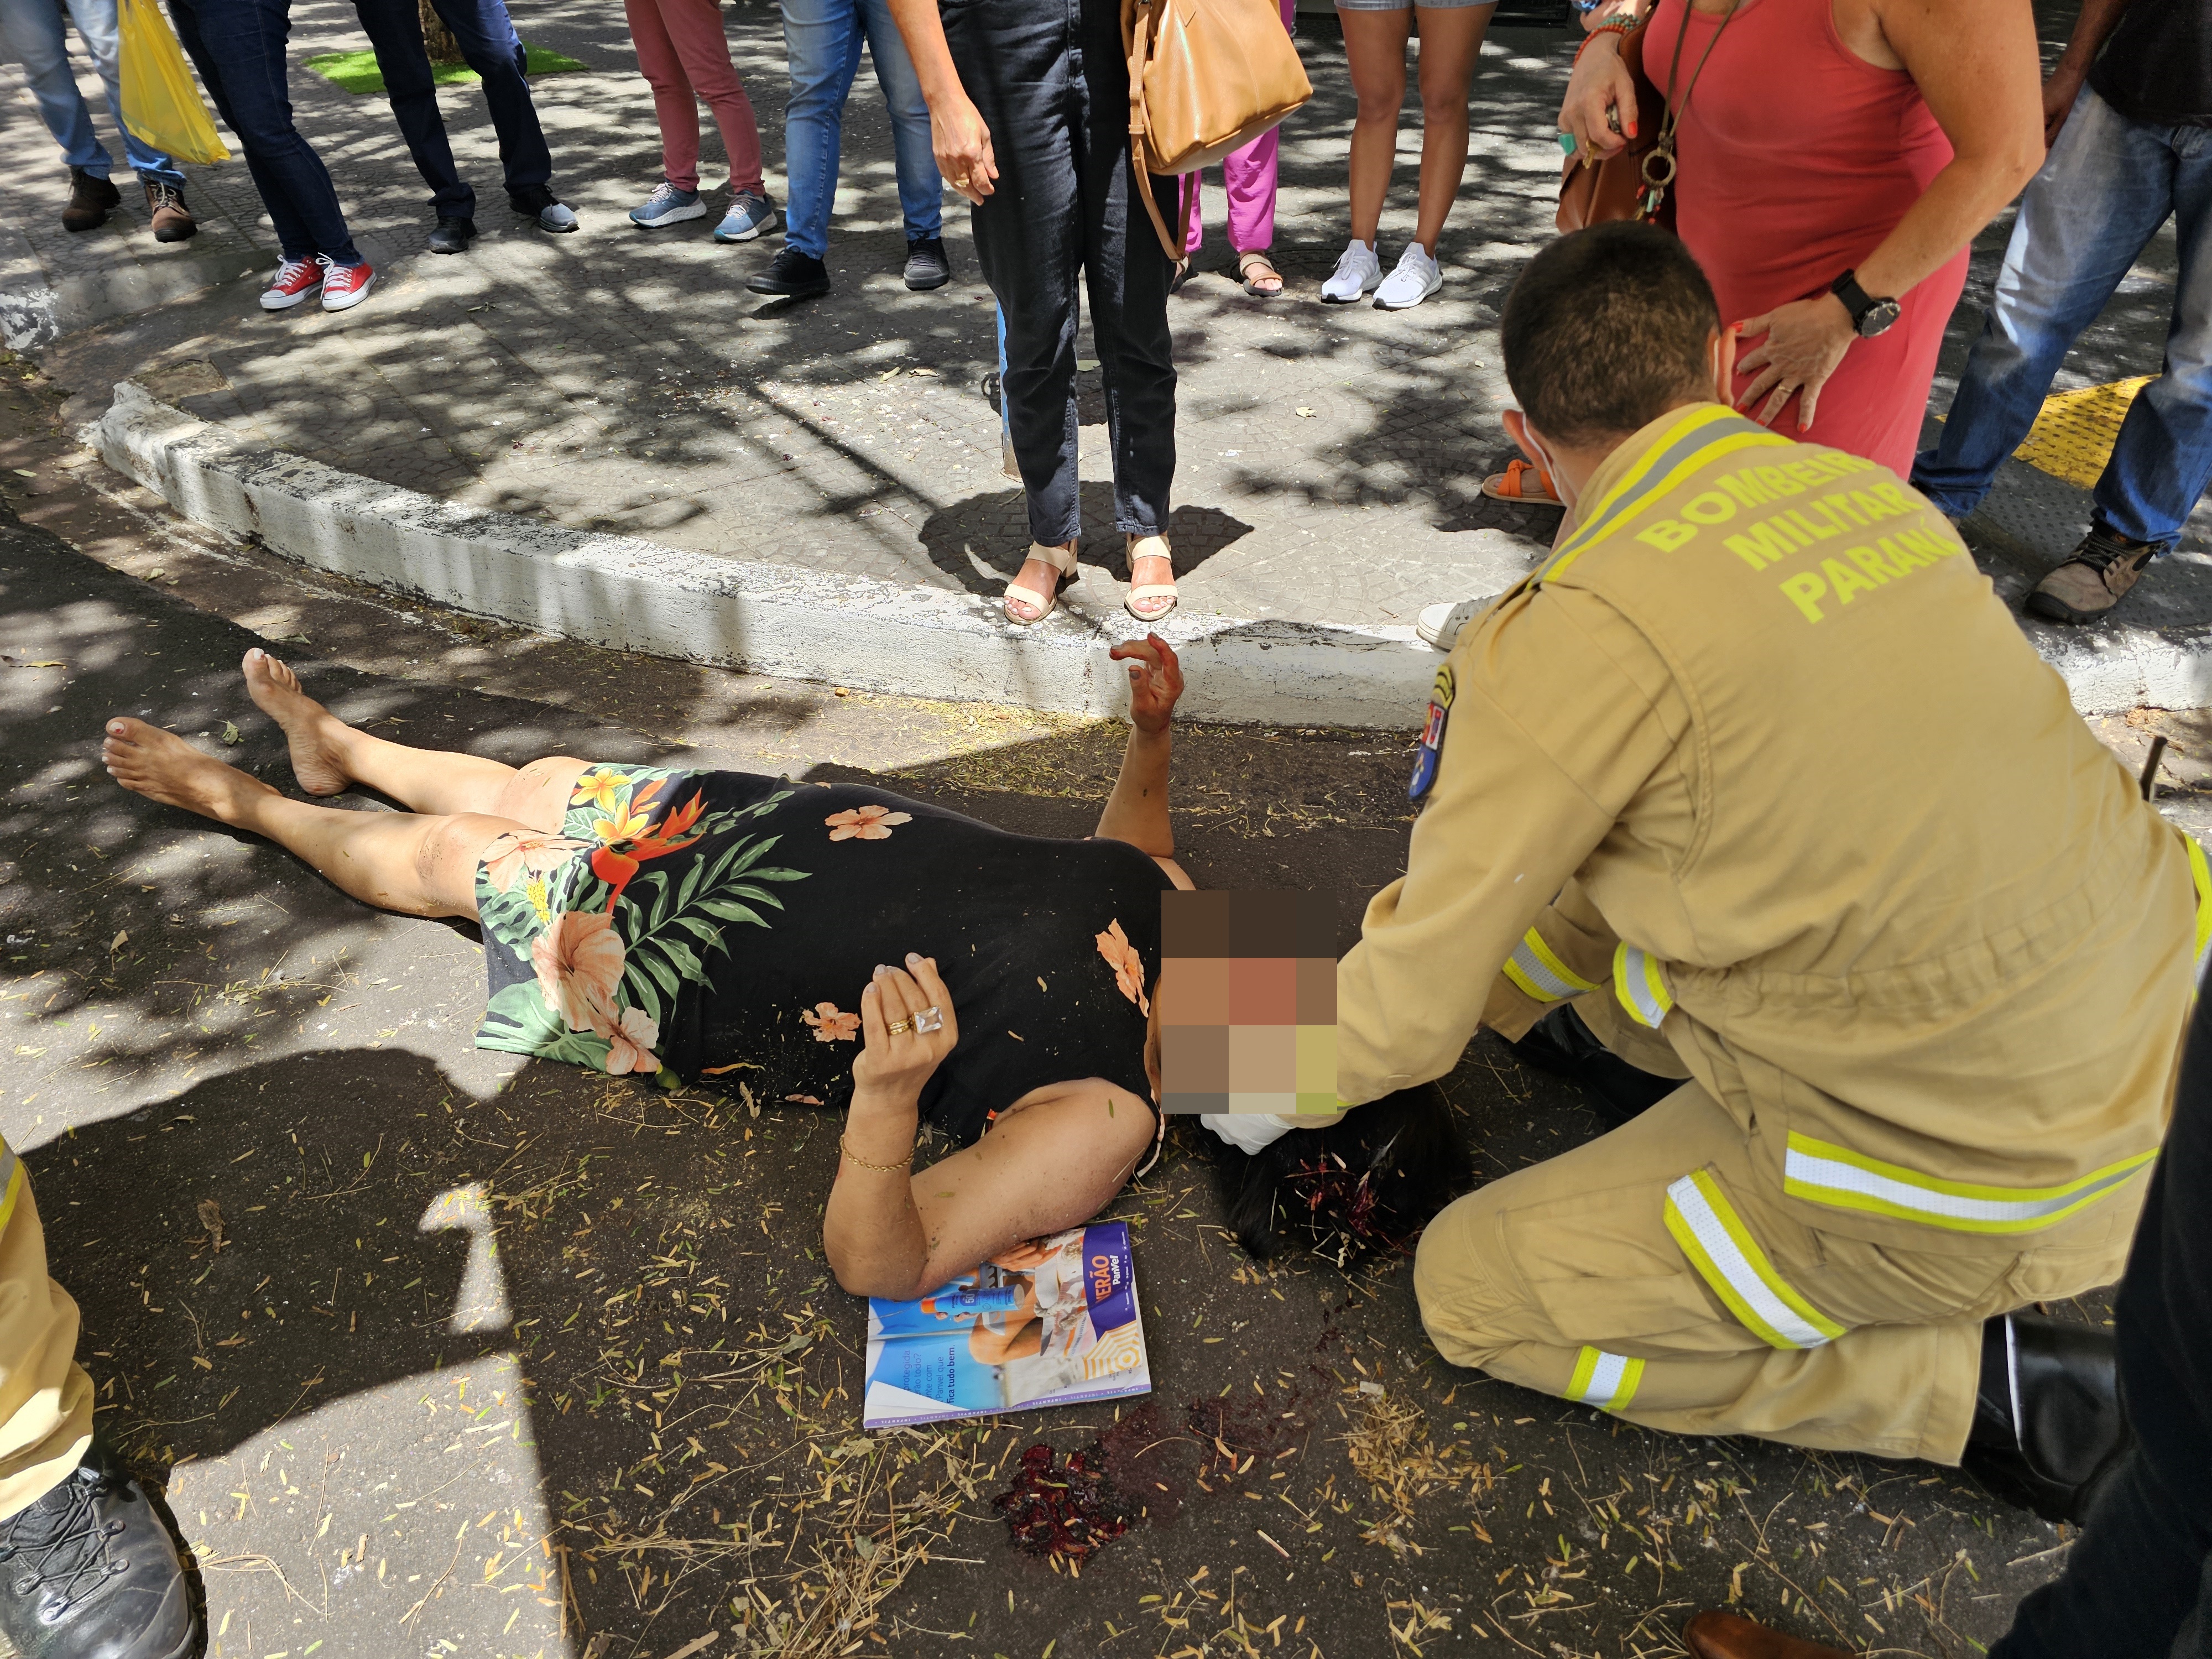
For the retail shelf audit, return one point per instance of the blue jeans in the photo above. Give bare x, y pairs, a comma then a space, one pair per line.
823, 39
31, 33
494, 51
2106, 187
238, 47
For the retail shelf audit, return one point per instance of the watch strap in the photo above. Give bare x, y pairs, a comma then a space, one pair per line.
1857, 299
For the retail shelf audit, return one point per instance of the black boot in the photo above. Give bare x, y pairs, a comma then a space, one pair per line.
2048, 1426
1561, 1044
792, 276
89, 1572
452, 235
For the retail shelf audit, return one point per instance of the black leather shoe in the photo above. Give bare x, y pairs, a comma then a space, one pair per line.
452, 235
926, 267
89, 1572
1561, 1044
2048, 1426
792, 275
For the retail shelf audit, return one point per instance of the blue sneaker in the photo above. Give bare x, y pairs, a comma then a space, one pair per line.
668, 206
750, 213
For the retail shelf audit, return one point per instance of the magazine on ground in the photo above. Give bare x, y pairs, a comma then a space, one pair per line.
1049, 1323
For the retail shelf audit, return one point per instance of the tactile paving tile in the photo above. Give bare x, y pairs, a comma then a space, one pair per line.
2074, 434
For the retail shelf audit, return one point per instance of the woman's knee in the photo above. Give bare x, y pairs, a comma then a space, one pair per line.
446, 857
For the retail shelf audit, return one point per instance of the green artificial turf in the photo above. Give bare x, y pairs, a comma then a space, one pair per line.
357, 73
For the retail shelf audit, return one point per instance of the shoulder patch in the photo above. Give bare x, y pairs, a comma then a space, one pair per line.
1432, 734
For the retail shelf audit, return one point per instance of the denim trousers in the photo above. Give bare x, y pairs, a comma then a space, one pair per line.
823, 39
491, 48
238, 47
31, 33
2107, 185
1050, 81
2138, 1584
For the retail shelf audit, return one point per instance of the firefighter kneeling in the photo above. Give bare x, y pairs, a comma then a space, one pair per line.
1753, 810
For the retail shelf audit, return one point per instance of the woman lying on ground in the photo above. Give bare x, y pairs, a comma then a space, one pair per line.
717, 924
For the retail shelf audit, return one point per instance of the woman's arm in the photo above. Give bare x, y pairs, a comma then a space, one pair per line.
1137, 811
1977, 64
957, 133
1051, 1166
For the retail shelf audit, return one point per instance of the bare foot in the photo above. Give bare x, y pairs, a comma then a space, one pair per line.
314, 734
161, 766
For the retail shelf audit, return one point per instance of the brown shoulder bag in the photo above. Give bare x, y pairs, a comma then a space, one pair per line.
1633, 182
1206, 76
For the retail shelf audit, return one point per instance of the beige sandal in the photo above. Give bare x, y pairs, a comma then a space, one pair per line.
1149, 547
1061, 559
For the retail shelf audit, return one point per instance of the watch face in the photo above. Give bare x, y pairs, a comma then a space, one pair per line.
1878, 316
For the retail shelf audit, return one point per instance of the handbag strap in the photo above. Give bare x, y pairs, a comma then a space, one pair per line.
1673, 117
1140, 21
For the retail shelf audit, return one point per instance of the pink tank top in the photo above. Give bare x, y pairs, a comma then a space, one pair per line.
1798, 157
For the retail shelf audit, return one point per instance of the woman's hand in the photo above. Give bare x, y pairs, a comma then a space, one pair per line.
892, 1066
963, 144
1600, 107
1805, 341
1155, 681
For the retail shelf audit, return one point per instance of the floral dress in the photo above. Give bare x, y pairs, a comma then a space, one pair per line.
718, 924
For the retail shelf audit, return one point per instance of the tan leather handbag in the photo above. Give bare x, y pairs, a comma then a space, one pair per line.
1633, 182
1205, 78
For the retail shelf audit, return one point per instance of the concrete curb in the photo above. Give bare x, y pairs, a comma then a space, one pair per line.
36, 309
630, 595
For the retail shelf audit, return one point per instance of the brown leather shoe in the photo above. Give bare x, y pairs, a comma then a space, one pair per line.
173, 220
1725, 1635
89, 200
2094, 581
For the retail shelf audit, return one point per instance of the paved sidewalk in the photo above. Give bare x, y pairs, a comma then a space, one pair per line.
616, 380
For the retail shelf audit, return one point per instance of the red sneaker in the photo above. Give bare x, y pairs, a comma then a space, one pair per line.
295, 279
347, 286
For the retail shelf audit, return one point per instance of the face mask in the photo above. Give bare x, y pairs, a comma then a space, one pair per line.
1567, 492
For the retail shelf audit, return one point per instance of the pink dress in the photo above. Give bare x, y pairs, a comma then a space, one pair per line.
1798, 157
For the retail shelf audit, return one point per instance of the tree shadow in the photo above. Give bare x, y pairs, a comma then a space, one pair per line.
983, 540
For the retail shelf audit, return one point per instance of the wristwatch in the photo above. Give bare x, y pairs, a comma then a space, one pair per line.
1869, 316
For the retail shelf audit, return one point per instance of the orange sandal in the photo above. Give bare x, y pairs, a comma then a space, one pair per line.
1513, 485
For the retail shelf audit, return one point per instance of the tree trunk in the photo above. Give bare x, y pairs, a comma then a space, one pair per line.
443, 48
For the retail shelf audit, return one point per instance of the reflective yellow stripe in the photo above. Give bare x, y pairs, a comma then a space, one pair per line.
2202, 877
1701, 438
1642, 988
1705, 1225
1825, 1173
1606, 1380
1537, 970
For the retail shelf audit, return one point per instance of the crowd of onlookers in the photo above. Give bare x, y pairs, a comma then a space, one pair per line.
1831, 204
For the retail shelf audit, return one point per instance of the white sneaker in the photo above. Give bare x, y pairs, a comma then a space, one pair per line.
1416, 278
1356, 270
1440, 624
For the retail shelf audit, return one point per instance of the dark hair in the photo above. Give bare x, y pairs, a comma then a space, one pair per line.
1605, 330
1369, 1181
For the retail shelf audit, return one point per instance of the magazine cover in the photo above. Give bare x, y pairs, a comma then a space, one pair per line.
1049, 1323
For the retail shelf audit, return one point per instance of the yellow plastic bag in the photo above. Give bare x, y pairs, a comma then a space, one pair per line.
162, 102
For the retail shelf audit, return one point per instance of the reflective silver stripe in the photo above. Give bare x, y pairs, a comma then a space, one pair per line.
1730, 1260
1823, 1174
1606, 1380
1637, 983
12, 1180
1535, 968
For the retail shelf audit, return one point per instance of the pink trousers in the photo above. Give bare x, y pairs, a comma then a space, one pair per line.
685, 57
1249, 176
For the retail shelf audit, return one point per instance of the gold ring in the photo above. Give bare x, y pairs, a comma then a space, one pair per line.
899, 1027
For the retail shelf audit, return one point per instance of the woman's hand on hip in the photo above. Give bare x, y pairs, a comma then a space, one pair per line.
1804, 342
1155, 681
897, 1055
1600, 107
963, 144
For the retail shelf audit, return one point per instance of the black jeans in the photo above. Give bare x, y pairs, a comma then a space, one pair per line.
2139, 1583
238, 47
1050, 81
493, 50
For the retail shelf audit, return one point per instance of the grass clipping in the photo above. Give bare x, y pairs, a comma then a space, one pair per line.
1391, 1450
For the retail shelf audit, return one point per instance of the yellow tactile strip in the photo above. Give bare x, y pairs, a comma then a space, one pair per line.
2074, 434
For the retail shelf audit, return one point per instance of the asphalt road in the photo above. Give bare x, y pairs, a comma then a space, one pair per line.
497, 1357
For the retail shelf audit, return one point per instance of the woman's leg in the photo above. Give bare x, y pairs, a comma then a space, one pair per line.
674, 107
1248, 176
1451, 41
327, 754
1375, 48
418, 866
696, 26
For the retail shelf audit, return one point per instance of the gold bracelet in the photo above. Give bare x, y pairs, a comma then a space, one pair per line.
901, 1168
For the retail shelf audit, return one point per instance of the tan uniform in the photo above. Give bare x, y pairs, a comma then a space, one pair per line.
1761, 771
46, 1399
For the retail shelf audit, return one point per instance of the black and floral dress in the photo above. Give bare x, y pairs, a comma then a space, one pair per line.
723, 925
